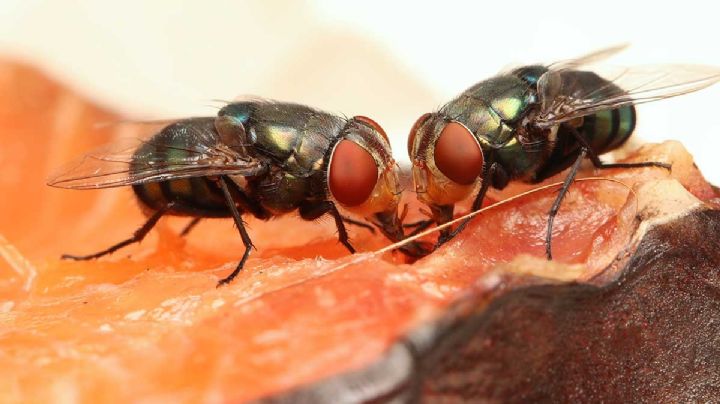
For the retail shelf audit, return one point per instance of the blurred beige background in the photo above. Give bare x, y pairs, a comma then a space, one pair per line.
391, 61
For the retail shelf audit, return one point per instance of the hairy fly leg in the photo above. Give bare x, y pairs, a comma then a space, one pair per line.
191, 225
558, 200
597, 163
312, 211
223, 181
138, 236
358, 223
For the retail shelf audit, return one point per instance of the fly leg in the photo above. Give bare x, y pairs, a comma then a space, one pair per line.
358, 223
241, 228
137, 237
599, 164
477, 204
312, 211
342, 232
585, 151
418, 226
188, 228
418, 223
558, 200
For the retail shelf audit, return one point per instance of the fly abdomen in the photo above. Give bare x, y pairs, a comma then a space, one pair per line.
189, 196
194, 196
607, 130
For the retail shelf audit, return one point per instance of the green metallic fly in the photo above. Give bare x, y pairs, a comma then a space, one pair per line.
533, 122
263, 158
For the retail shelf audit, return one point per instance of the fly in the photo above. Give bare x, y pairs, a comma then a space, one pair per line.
262, 158
533, 122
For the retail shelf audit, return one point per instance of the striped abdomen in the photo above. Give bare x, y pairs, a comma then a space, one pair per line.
604, 131
610, 129
190, 197
195, 196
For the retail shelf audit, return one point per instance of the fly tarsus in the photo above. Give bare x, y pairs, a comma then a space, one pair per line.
558, 201
137, 237
417, 249
418, 226
358, 223
641, 164
314, 210
191, 225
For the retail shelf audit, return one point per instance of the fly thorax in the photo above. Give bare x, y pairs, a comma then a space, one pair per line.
275, 140
526, 152
494, 123
281, 192
308, 156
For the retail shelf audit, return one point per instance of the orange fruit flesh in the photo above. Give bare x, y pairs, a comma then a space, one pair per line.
148, 321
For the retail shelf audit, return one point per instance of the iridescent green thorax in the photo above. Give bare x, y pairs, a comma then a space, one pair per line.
530, 74
292, 135
294, 139
490, 108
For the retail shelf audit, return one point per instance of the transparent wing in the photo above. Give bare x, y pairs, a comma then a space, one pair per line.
187, 148
590, 58
141, 127
566, 93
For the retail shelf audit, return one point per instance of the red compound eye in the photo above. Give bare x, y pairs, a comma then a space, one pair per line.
413, 132
373, 125
352, 173
458, 155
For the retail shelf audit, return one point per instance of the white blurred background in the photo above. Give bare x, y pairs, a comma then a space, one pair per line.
392, 61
